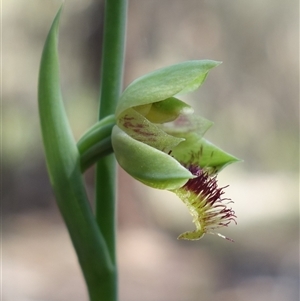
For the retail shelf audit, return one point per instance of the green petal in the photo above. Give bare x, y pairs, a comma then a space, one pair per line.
199, 151
191, 235
165, 83
147, 164
187, 124
141, 129
167, 110
194, 85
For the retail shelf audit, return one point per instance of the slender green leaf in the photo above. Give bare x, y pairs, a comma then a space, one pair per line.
63, 163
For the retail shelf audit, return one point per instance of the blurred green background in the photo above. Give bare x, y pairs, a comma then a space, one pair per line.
253, 99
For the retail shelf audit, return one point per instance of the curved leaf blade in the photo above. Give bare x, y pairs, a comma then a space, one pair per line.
63, 164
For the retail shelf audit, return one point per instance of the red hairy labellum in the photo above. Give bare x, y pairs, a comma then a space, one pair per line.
204, 200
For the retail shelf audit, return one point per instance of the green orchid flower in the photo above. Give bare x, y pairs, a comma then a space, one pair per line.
158, 141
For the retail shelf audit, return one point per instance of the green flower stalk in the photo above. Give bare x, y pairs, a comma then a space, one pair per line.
159, 142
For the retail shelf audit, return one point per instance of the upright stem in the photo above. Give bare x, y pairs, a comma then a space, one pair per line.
113, 55
111, 85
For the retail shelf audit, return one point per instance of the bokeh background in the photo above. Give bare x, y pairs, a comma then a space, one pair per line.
253, 98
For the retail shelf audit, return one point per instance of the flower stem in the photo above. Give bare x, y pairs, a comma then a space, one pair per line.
96, 142
111, 84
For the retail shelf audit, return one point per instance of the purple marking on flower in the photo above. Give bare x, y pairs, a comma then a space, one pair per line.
143, 133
